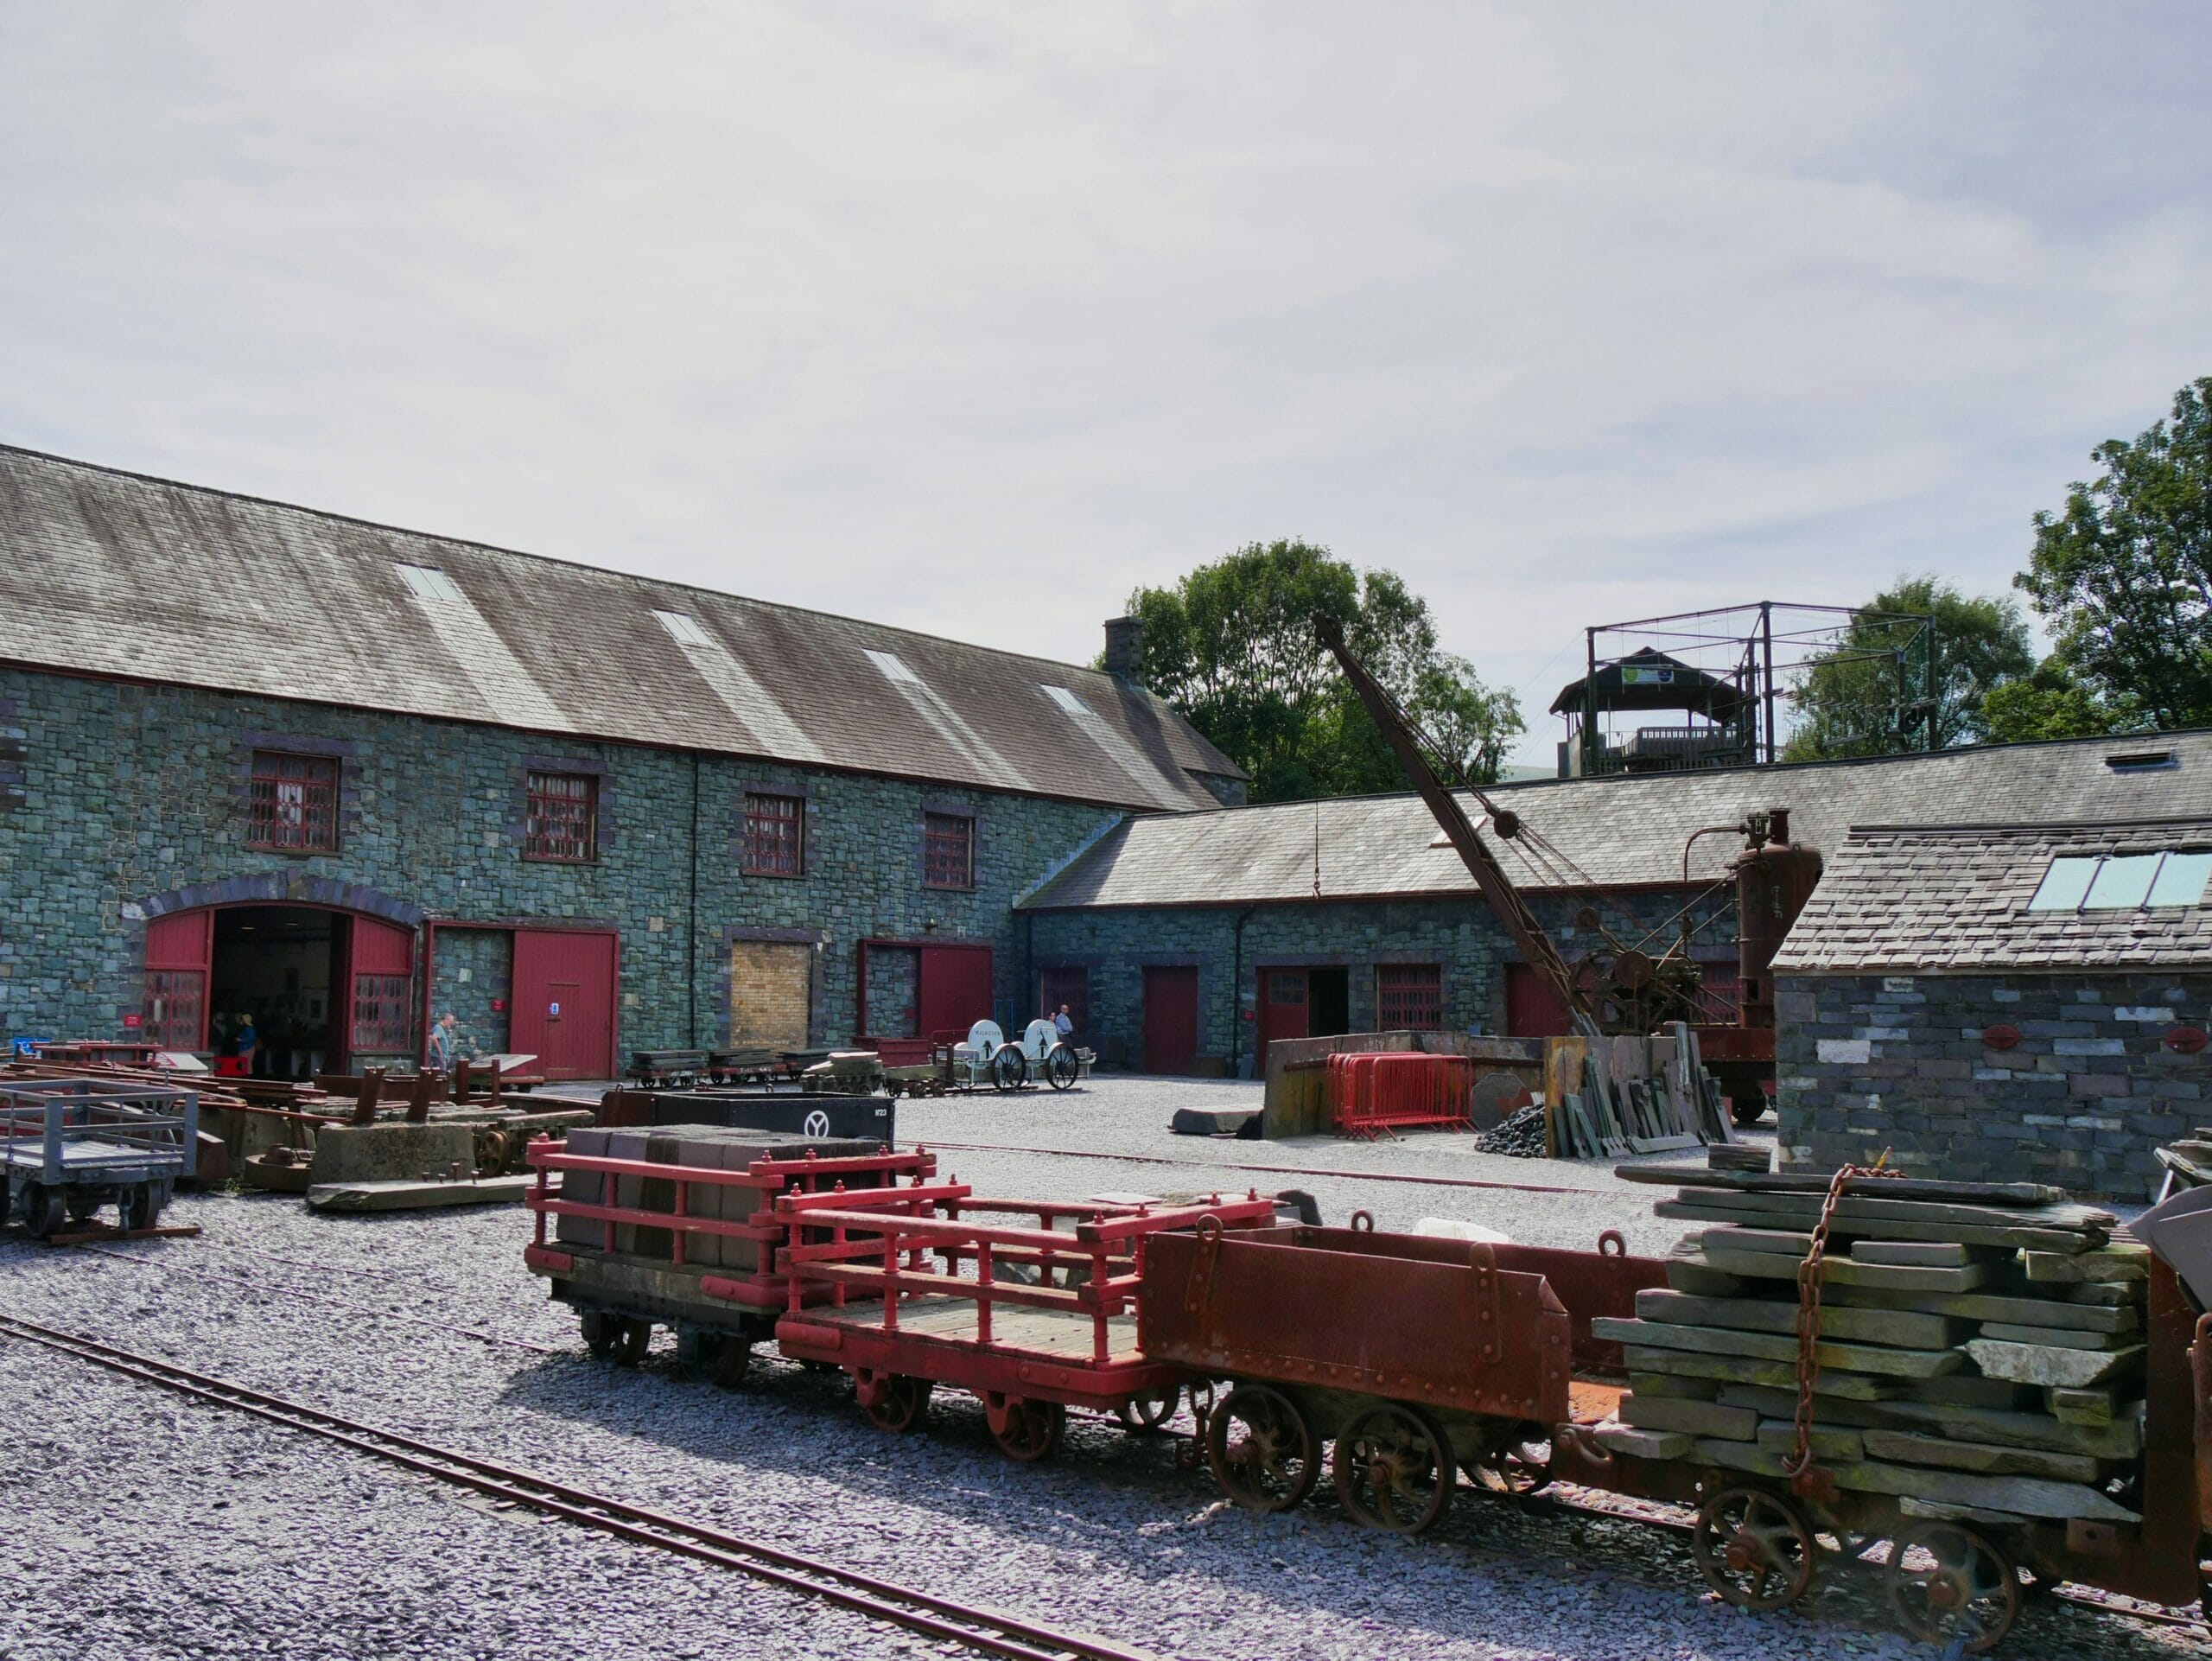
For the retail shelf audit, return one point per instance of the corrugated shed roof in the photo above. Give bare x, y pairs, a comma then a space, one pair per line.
1618, 831
1928, 899
110, 573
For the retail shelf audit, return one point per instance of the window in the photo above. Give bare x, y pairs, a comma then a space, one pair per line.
2123, 881
1410, 996
561, 817
380, 1007
175, 1000
2143, 761
292, 803
775, 834
429, 583
685, 630
947, 850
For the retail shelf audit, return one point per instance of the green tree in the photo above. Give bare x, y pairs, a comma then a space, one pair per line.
1871, 695
2123, 573
1231, 645
2051, 703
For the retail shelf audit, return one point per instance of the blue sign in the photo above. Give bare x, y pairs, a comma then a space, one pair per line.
28, 1046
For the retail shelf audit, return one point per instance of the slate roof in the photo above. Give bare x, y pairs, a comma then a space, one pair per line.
114, 573
1928, 900
1620, 831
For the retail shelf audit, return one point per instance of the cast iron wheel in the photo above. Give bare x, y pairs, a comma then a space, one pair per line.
1141, 1415
1262, 1449
1062, 1067
632, 1341
598, 1329
81, 1204
1521, 1463
1009, 1068
901, 1405
1950, 1585
707, 1357
1755, 1548
44, 1210
1033, 1430
492, 1150
140, 1206
1747, 1109
1393, 1468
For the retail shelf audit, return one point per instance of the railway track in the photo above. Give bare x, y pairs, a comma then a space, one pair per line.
986, 1631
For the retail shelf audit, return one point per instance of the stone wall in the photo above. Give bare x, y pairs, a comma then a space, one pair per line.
1460, 936
131, 800
1901, 1062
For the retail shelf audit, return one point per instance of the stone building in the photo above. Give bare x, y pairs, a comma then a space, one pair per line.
257, 760
2010, 1003
1209, 934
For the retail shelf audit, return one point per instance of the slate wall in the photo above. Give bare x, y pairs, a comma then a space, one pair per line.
117, 800
1460, 936
1901, 1062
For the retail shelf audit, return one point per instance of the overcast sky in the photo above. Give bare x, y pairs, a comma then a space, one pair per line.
972, 318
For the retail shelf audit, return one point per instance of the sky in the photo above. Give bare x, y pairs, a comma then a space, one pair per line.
974, 318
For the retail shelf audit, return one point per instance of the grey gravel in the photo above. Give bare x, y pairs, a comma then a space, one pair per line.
140, 1526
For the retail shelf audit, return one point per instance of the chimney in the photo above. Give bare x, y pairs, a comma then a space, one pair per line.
1125, 648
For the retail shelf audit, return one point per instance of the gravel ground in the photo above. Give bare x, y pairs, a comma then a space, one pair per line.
143, 1526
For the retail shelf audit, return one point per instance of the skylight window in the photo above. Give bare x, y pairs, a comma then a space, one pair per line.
682, 629
2143, 761
429, 583
1067, 700
892, 669
2123, 881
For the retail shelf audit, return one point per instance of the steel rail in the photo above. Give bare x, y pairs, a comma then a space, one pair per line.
989, 1631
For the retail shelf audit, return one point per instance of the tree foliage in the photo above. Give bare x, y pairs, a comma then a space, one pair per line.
2123, 574
1872, 694
1231, 646
2050, 704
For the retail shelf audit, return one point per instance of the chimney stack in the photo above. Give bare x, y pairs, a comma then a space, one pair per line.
1125, 648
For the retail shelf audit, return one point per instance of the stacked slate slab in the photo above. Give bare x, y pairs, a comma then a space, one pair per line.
1981, 1345
706, 1147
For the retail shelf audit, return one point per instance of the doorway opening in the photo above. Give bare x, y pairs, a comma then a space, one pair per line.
1303, 1003
276, 965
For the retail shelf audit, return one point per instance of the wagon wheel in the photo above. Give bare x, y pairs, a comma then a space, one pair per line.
1950, 1585
1393, 1468
1143, 1414
1009, 1068
141, 1207
899, 1403
598, 1329
1755, 1548
1262, 1449
80, 1203
1062, 1067
1746, 1111
1520, 1463
1033, 1429
44, 1210
633, 1340
492, 1149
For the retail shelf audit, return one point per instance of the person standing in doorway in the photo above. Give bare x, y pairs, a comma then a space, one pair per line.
244, 1042
444, 1042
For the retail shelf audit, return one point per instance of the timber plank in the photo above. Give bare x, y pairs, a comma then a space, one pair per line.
1767, 1347
2008, 1235
2066, 1218
1843, 1322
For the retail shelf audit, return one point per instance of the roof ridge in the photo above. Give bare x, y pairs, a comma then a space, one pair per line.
217, 490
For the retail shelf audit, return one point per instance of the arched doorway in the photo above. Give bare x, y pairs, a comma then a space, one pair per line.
329, 989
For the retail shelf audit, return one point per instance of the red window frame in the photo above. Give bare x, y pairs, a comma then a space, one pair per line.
175, 1015
561, 817
947, 850
1410, 997
381, 1007
292, 803
775, 834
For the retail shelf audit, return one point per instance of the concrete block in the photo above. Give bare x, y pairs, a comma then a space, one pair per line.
396, 1151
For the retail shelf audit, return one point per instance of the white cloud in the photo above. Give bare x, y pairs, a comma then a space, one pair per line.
972, 317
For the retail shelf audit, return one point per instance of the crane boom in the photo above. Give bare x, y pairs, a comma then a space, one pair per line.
1505, 901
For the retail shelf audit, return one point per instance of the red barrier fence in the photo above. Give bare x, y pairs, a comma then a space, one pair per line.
1382, 1092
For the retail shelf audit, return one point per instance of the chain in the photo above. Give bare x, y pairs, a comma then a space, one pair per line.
1799, 1465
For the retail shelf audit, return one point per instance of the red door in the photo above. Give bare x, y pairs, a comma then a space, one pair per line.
1532, 1008
1284, 1012
563, 1007
380, 978
180, 952
956, 991
1170, 1020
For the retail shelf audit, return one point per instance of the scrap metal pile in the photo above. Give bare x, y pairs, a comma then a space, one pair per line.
1979, 1353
